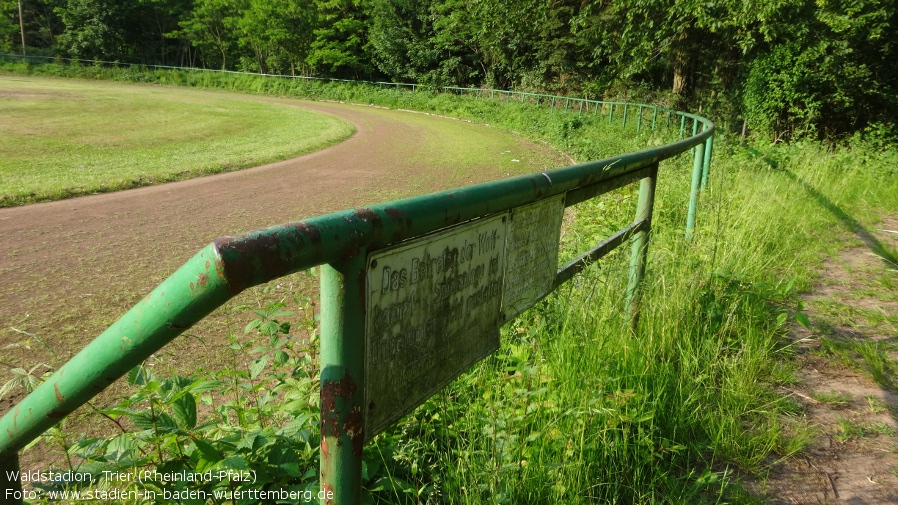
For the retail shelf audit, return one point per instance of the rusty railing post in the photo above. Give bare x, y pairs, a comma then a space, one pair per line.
640, 248
342, 380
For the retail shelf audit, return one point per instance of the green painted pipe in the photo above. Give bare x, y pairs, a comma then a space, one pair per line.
342, 380
640, 241
706, 167
697, 165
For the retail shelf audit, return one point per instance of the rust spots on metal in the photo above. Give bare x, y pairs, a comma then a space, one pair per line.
310, 232
219, 267
398, 217
325, 452
202, 280
250, 259
344, 387
366, 214
59, 396
353, 428
330, 390
328, 491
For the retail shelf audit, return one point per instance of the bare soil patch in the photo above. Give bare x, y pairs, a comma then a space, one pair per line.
852, 412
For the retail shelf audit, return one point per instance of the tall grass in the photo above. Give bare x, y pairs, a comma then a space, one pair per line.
576, 408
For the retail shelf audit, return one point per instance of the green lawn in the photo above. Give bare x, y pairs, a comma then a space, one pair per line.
63, 138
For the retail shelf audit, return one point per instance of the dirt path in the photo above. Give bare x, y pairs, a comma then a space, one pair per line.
848, 382
68, 269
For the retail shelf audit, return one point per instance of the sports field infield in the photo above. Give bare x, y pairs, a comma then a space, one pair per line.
65, 138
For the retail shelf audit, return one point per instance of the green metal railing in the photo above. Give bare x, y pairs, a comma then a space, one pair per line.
343, 244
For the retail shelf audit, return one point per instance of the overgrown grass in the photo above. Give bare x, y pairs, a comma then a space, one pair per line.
67, 138
577, 408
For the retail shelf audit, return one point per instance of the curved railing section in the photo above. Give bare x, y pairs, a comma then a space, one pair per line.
349, 245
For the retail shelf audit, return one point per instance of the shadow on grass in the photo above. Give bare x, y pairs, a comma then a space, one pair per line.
870, 240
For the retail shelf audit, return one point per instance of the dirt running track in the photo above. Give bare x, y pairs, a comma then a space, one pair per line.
68, 269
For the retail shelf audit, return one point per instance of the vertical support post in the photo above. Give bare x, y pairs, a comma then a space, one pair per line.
697, 165
639, 121
567, 102
654, 117
682, 124
640, 247
668, 118
11, 489
625, 115
611, 114
709, 144
342, 379
580, 114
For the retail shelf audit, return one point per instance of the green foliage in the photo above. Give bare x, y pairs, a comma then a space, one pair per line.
259, 416
789, 67
833, 77
339, 48
207, 27
8, 28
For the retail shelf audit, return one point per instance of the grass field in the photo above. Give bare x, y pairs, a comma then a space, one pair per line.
66, 138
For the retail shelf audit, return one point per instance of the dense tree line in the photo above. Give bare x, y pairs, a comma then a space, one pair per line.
824, 66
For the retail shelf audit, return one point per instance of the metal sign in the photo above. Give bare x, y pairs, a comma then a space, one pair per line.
435, 304
531, 253
432, 312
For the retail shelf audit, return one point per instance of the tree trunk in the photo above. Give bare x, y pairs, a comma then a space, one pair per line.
681, 62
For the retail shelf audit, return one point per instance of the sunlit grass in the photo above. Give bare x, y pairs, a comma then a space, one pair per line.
64, 137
